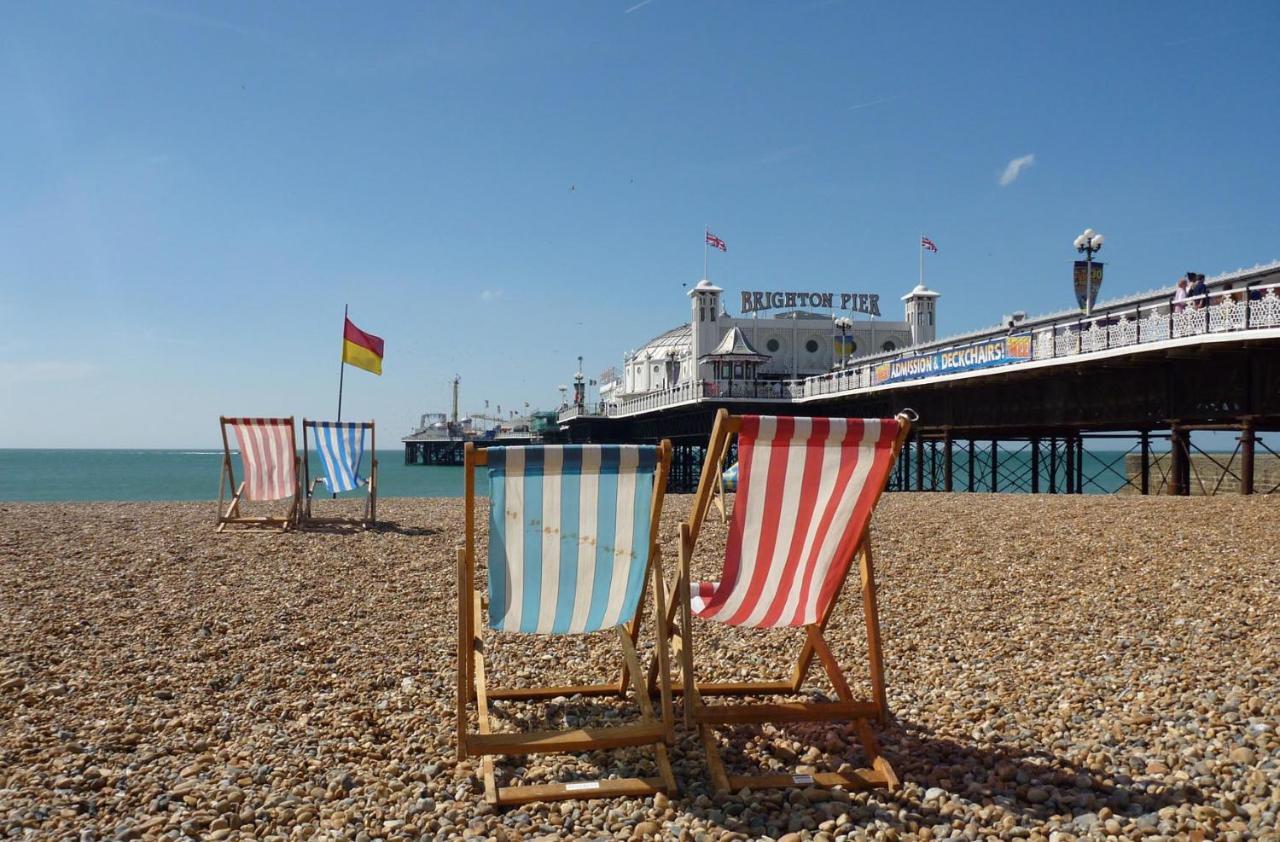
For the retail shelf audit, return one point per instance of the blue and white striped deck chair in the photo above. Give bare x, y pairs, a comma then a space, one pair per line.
340, 446
572, 549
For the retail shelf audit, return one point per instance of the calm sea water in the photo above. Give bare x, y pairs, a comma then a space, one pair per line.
49, 475
61, 475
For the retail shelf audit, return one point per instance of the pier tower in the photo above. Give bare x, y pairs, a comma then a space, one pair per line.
921, 314
705, 309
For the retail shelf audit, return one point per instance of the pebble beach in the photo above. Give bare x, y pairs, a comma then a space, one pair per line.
1058, 668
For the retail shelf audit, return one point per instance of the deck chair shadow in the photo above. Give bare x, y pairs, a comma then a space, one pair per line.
572, 546
802, 515
340, 445
269, 457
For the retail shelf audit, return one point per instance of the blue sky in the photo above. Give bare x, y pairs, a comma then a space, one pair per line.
191, 192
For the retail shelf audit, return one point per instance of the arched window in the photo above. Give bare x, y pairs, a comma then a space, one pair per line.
889, 346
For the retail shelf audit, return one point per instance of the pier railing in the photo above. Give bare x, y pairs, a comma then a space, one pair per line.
1142, 320
1108, 328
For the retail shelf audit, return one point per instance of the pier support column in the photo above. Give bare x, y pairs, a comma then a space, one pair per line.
1035, 464
1247, 438
1144, 464
1177, 460
919, 462
970, 466
1053, 464
946, 464
1071, 464
995, 465
1079, 464
933, 465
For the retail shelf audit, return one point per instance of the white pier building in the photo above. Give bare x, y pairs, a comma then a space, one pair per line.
811, 335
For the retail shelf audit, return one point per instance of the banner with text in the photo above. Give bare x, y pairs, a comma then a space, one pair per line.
990, 352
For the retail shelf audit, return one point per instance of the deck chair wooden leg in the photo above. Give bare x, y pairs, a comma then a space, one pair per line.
872, 614
662, 643
829, 664
482, 705
871, 746
646, 707
684, 597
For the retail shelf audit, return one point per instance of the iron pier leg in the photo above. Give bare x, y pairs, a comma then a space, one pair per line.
995, 450
946, 464
1144, 466
1246, 456
933, 464
1035, 465
1177, 458
1071, 465
970, 466
1053, 464
919, 462
1079, 463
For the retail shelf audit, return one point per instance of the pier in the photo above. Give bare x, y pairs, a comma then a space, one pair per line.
1015, 408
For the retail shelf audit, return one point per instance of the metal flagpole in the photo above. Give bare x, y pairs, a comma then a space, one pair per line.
921, 258
342, 362
706, 236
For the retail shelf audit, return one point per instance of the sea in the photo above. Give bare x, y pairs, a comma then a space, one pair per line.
87, 475
83, 475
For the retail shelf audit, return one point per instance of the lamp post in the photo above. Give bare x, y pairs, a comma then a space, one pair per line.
844, 324
1088, 243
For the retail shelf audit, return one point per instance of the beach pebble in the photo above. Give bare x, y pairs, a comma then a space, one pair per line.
1051, 675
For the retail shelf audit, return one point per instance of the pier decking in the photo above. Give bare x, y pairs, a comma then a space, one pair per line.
1137, 366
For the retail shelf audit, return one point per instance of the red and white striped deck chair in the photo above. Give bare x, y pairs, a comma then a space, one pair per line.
270, 461
806, 490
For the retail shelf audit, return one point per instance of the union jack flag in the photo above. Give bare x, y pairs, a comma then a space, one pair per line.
926, 243
716, 242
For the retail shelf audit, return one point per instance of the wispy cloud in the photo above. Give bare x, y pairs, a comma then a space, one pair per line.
1014, 169
880, 101
779, 155
639, 5
45, 371
490, 294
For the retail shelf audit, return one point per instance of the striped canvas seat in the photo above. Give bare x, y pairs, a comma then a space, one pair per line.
569, 534
807, 487
341, 447
267, 453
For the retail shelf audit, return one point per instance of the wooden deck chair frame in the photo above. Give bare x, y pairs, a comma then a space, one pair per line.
231, 514
706, 717
658, 731
309, 485
717, 490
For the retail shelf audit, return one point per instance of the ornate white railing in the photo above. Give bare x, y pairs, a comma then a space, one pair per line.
1133, 324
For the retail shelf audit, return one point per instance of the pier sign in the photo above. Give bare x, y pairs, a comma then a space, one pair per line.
985, 354
855, 302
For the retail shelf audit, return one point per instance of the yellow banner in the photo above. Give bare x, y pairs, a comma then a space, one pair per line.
353, 354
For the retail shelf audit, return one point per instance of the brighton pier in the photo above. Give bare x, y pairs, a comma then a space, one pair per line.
1011, 408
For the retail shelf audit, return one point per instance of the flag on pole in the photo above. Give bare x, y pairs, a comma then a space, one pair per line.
926, 243
360, 349
716, 242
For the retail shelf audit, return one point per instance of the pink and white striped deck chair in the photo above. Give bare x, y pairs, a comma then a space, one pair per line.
806, 490
270, 461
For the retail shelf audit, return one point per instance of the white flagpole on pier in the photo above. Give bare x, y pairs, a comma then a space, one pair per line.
921, 258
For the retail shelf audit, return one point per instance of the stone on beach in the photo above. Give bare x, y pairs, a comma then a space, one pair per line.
1058, 668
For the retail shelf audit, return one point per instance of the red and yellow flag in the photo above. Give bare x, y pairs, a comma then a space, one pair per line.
360, 349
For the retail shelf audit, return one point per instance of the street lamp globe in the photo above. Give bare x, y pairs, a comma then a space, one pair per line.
1079, 242
1088, 233
1096, 241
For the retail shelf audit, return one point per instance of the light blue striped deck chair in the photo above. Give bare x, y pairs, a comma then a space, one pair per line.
572, 549
340, 446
